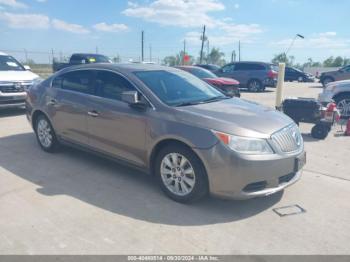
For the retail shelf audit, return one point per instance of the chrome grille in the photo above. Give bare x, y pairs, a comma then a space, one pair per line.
14, 87
288, 139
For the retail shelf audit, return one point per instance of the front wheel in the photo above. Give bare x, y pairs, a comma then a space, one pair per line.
45, 134
255, 86
180, 174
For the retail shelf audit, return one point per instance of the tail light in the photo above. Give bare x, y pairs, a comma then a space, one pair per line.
272, 74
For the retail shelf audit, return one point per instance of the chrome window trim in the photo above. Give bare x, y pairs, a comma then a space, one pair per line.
107, 70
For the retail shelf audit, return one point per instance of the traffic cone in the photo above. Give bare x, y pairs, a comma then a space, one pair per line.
347, 132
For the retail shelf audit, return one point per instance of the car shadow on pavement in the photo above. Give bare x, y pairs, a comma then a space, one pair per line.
12, 112
114, 187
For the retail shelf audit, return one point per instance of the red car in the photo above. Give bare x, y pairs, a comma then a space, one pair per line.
228, 86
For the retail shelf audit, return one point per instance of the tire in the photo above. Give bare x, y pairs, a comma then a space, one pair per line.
255, 85
343, 104
173, 169
45, 134
320, 131
327, 80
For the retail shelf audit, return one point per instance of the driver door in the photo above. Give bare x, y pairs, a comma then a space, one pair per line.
114, 127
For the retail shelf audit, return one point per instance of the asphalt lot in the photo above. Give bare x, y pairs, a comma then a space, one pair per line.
75, 203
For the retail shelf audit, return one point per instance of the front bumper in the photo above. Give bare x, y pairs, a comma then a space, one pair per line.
12, 100
237, 176
270, 82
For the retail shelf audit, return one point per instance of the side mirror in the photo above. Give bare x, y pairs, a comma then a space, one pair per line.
27, 67
132, 98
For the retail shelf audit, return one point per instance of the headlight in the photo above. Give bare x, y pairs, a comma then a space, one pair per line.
245, 145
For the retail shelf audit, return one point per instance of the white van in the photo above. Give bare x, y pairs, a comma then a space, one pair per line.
14, 80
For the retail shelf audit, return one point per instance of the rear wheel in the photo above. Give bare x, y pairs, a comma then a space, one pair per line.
343, 104
180, 174
255, 86
45, 134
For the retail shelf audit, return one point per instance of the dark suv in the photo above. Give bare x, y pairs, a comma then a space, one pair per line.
255, 76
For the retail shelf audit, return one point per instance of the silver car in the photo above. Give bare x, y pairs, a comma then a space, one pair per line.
190, 136
339, 92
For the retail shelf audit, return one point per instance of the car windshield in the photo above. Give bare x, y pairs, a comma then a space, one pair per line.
178, 88
202, 73
8, 63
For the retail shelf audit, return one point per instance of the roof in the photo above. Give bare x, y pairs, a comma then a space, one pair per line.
126, 68
1, 53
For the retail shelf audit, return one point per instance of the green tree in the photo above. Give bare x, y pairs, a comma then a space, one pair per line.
328, 62
215, 57
176, 60
338, 61
280, 58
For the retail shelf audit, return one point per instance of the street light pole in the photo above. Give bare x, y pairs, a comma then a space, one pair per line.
292, 43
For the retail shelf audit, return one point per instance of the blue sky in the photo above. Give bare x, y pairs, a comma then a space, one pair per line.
265, 27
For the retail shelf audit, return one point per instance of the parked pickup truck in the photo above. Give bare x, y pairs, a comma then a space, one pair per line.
77, 59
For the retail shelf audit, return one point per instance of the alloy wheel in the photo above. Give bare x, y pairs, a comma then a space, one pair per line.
344, 107
177, 174
44, 133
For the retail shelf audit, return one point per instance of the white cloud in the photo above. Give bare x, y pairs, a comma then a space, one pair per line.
181, 13
72, 28
33, 21
111, 28
13, 3
326, 40
41, 1
195, 14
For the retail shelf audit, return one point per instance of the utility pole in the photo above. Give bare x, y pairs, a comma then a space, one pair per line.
208, 51
26, 55
52, 55
142, 43
233, 56
183, 56
150, 53
239, 51
203, 39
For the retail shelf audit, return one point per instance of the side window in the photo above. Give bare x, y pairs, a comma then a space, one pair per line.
347, 69
57, 82
111, 85
241, 67
228, 68
78, 81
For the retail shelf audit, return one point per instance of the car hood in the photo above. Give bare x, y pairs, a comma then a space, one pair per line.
235, 116
17, 76
222, 81
340, 83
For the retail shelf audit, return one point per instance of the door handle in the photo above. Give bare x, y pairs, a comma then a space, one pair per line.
93, 113
52, 102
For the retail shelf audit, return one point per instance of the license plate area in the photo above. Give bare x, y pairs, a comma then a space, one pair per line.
300, 162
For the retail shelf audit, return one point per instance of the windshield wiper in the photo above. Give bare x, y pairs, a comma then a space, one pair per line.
214, 99
209, 100
188, 103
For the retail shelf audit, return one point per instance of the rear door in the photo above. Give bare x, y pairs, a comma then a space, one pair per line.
67, 105
116, 128
242, 73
